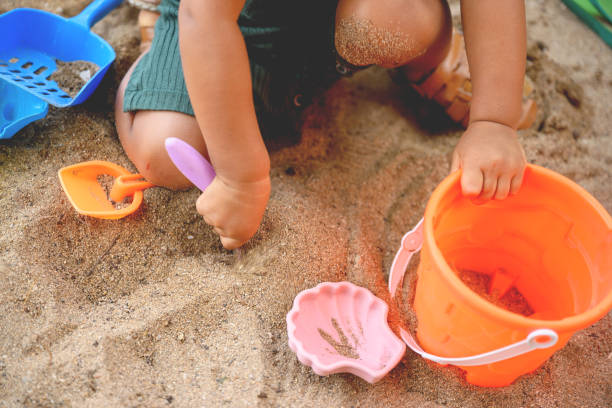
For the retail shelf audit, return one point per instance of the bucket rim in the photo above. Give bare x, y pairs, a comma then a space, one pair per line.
572, 323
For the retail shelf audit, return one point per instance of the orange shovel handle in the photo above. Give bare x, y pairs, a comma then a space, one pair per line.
127, 185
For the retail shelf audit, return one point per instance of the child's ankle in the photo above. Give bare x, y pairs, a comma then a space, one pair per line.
415, 76
147, 17
146, 22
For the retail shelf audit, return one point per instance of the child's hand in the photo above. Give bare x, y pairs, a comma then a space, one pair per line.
234, 209
492, 161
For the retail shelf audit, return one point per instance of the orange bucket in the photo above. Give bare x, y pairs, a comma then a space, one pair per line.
552, 242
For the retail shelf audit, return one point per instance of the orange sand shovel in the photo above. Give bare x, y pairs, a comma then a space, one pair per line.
83, 182
82, 185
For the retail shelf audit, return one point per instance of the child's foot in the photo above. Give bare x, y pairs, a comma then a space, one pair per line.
449, 85
146, 21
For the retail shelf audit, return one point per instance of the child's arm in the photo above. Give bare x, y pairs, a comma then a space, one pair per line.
489, 152
217, 75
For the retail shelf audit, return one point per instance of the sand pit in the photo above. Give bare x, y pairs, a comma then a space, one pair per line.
72, 76
150, 311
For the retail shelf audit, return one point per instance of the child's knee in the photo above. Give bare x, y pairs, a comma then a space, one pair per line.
389, 33
144, 144
149, 158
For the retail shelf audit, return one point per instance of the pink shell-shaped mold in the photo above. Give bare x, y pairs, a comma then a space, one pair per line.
341, 327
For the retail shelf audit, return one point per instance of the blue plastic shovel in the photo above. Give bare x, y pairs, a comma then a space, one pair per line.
31, 40
18, 108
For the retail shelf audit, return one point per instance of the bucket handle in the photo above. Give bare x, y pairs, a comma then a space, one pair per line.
412, 242
537, 339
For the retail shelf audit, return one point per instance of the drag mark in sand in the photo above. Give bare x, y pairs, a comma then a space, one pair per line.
343, 347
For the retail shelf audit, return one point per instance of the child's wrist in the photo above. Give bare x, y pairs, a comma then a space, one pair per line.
498, 108
244, 167
491, 122
257, 181
492, 129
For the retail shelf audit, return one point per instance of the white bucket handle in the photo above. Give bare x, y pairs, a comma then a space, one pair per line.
532, 342
412, 242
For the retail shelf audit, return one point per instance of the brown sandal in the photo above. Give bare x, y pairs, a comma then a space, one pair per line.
146, 20
449, 85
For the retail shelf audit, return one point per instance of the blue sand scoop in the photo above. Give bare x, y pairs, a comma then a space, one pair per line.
18, 108
31, 40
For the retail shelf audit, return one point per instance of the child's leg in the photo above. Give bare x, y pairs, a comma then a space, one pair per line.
417, 36
152, 103
143, 133
413, 34
147, 17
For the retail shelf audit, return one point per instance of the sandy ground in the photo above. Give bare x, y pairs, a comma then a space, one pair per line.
150, 311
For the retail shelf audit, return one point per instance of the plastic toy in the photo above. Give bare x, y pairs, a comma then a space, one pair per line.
552, 242
87, 196
341, 327
597, 14
18, 108
81, 181
190, 162
31, 40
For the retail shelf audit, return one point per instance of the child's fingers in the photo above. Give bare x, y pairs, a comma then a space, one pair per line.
455, 163
471, 181
516, 182
208, 221
503, 187
230, 243
489, 186
202, 206
230, 239
205, 213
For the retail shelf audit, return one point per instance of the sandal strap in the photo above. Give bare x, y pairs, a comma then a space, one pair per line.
435, 81
528, 114
149, 5
450, 86
146, 22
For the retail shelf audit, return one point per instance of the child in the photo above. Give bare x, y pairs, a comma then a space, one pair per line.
218, 71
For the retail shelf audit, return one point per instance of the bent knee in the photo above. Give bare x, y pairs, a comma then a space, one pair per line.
153, 163
389, 33
144, 143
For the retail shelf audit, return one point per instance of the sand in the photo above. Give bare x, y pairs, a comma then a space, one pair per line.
106, 182
72, 76
150, 311
512, 300
342, 347
354, 36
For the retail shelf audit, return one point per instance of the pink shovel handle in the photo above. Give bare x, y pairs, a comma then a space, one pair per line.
190, 162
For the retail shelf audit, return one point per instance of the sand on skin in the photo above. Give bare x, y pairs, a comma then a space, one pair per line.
150, 311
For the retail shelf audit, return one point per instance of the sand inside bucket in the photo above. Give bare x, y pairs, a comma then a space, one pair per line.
512, 300
72, 76
107, 181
